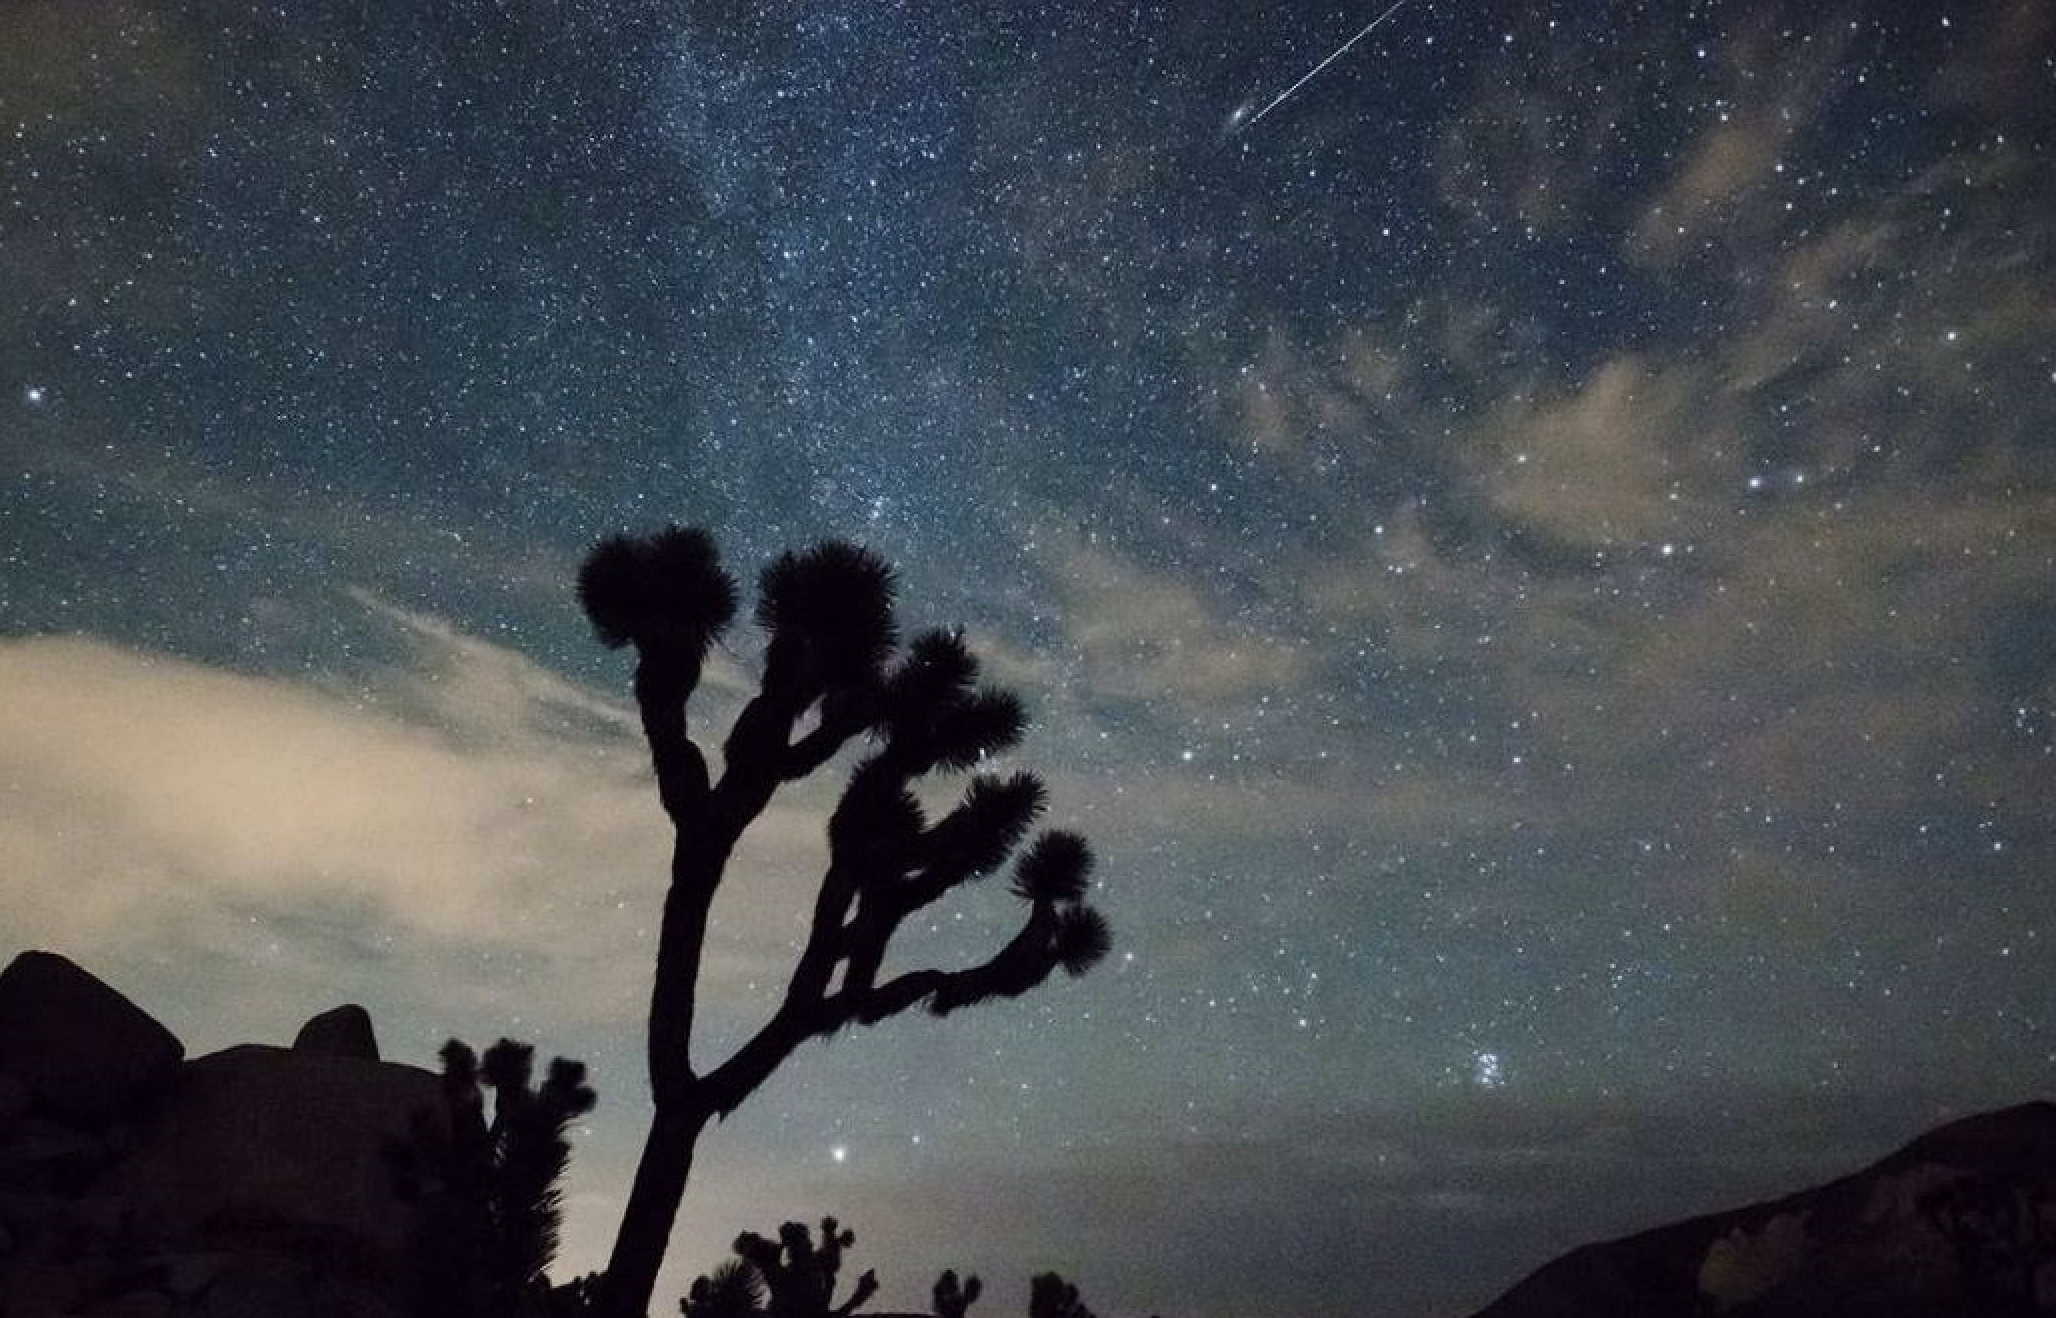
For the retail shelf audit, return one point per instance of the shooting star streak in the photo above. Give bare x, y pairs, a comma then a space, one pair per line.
1314, 72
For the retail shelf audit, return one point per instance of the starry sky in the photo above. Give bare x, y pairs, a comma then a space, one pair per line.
1530, 556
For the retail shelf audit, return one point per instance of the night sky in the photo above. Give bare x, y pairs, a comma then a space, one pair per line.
1531, 557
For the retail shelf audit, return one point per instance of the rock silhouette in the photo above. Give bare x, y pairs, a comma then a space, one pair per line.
77, 1046
1960, 1223
255, 1181
344, 1031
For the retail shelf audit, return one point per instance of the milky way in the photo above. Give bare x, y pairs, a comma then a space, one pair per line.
1533, 571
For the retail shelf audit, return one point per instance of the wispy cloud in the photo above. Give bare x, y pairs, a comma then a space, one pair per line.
1721, 194
1155, 636
466, 805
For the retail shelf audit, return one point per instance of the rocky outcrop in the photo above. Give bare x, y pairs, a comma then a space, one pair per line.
1961, 1223
344, 1031
256, 1182
80, 1049
256, 1135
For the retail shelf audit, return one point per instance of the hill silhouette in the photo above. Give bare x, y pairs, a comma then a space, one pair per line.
1960, 1223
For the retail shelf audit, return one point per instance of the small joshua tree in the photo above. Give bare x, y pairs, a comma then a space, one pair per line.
952, 1300
789, 1277
1050, 1296
524, 1146
834, 675
491, 1185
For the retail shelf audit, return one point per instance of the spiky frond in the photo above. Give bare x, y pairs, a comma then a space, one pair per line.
851, 706
508, 1065
565, 1094
668, 586
989, 823
1050, 1296
877, 814
888, 825
980, 724
937, 666
528, 1206
1083, 939
735, 1289
835, 599
1056, 868
460, 1065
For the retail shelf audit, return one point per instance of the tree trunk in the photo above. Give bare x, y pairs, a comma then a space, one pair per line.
652, 1208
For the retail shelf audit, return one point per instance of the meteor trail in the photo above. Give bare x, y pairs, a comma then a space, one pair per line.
1310, 74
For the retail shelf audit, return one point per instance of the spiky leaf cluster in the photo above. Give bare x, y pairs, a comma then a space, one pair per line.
1057, 867
829, 612
878, 819
1056, 872
733, 1290
662, 589
933, 713
1050, 1296
937, 666
1083, 939
978, 836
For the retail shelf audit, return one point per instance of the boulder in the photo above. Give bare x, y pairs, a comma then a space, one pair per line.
40, 1154
343, 1031
134, 1304
186, 1277
52, 1281
306, 1285
14, 1101
256, 1140
81, 1049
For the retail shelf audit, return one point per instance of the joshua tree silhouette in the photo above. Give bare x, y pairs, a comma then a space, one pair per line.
951, 1299
1050, 1296
790, 1277
494, 1206
833, 654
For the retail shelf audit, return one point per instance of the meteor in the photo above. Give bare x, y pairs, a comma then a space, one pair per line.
1239, 121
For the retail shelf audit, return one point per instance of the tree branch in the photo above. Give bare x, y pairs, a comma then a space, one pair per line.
663, 686
1024, 962
846, 713
727, 1085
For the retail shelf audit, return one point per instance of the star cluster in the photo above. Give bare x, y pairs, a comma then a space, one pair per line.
1530, 555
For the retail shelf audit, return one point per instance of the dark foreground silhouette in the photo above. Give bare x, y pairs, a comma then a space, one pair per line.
794, 1276
1961, 1223
320, 1181
263, 1182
